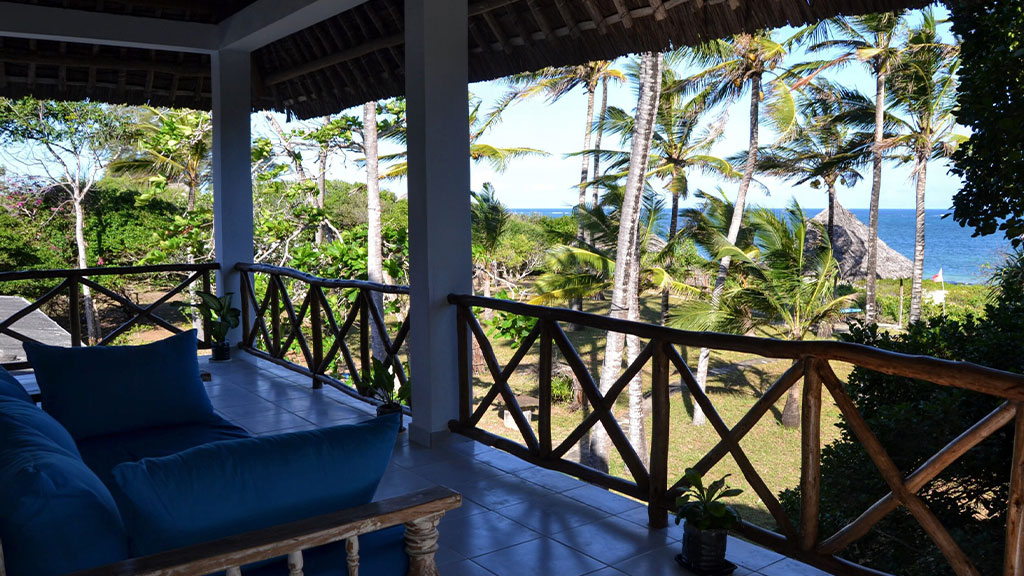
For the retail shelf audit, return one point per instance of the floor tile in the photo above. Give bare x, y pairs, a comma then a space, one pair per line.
640, 517
412, 456
479, 534
552, 514
248, 411
790, 567
497, 492
505, 461
465, 568
540, 556
752, 556
603, 499
446, 555
654, 563
554, 481
269, 422
613, 540
461, 474
606, 571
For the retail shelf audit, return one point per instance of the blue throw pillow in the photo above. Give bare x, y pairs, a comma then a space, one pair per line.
100, 390
56, 516
10, 387
236, 486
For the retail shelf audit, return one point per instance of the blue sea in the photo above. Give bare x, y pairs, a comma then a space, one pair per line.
963, 259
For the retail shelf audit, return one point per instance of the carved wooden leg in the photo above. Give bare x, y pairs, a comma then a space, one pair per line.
352, 548
295, 563
421, 544
3, 571
233, 571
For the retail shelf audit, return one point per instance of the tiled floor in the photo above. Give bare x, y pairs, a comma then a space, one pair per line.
516, 519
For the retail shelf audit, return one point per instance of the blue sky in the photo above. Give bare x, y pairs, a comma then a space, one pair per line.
551, 182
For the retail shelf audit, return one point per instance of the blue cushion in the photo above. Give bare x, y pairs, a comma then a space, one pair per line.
56, 517
226, 488
103, 453
94, 391
10, 387
23, 423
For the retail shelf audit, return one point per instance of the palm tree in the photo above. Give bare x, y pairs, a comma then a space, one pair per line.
787, 288
480, 122
813, 147
677, 148
729, 67
489, 218
874, 40
925, 94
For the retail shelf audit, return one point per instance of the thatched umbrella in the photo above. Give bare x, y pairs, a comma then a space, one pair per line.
850, 247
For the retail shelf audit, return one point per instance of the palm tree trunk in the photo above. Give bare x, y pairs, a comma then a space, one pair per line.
916, 286
597, 141
577, 303
650, 88
832, 212
734, 231
92, 328
637, 433
375, 252
870, 308
673, 224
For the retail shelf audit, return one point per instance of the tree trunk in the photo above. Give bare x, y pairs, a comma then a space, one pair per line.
832, 212
791, 413
288, 148
650, 88
577, 303
321, 186
637, 432
92, 328
597, 141
673, 226
916, 286
734, 231
870, 307
375, 252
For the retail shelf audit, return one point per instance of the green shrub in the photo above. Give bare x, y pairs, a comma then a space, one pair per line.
561, 389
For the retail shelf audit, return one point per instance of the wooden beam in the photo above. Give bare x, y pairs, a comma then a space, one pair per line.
336, 58
86, 27
266, 21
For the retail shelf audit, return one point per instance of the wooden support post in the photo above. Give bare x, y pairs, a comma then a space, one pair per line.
206, 322
295, 563
246, 284
75, 311
352, 551
1013, 563
421, 545
544, 403
464, 348
275, 320
657, 514
364, 332
810, 456
318, 336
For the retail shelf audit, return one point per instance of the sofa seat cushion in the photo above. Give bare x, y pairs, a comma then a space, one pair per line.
56, 516
101, 390
381, 553
11, 388
103, 453
236, 486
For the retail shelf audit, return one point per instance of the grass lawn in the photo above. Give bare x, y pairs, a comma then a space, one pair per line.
773, 450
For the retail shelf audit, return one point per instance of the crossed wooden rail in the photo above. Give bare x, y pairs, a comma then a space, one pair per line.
71, 283
811, 364
305, 326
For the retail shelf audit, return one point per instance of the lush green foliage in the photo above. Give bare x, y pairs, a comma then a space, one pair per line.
702, 507
913, 420
218, 312
384, 386
991, 103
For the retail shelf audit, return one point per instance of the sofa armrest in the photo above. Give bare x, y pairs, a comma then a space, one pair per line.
419, 511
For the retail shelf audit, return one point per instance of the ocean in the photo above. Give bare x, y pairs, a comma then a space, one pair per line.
963, 259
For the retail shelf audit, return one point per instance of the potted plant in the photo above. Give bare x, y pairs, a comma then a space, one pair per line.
384, 387
220, 316
708, 521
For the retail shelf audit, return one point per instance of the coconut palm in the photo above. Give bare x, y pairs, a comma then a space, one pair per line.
925, 96
787, 289
729, 67
872, 39
489, 218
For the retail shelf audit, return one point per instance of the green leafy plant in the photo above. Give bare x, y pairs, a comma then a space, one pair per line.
381, 385
702, 507
217, 312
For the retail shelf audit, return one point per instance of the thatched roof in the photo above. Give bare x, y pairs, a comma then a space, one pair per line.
850, 247
359, 55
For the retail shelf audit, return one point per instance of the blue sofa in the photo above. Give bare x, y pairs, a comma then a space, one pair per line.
127, 460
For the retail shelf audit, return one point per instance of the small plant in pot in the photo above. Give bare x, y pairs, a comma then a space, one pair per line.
221, 317
384, 387
708, 521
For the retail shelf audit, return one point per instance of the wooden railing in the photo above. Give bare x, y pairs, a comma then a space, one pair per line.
811, 363
70, 283
314, 326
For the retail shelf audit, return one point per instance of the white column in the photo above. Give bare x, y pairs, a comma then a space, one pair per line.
232, 181
436, 84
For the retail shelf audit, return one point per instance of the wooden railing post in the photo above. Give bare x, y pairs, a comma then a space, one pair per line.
657, 514
206, 322
810, 455
247, 281
1013, 563
318, 336
364, 332
275, 319
544, 402
74, 310
463, 348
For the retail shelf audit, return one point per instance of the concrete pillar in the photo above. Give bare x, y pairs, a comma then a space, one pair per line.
232, 181
436, 64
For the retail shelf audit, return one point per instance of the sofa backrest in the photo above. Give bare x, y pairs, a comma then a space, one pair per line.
56, 516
